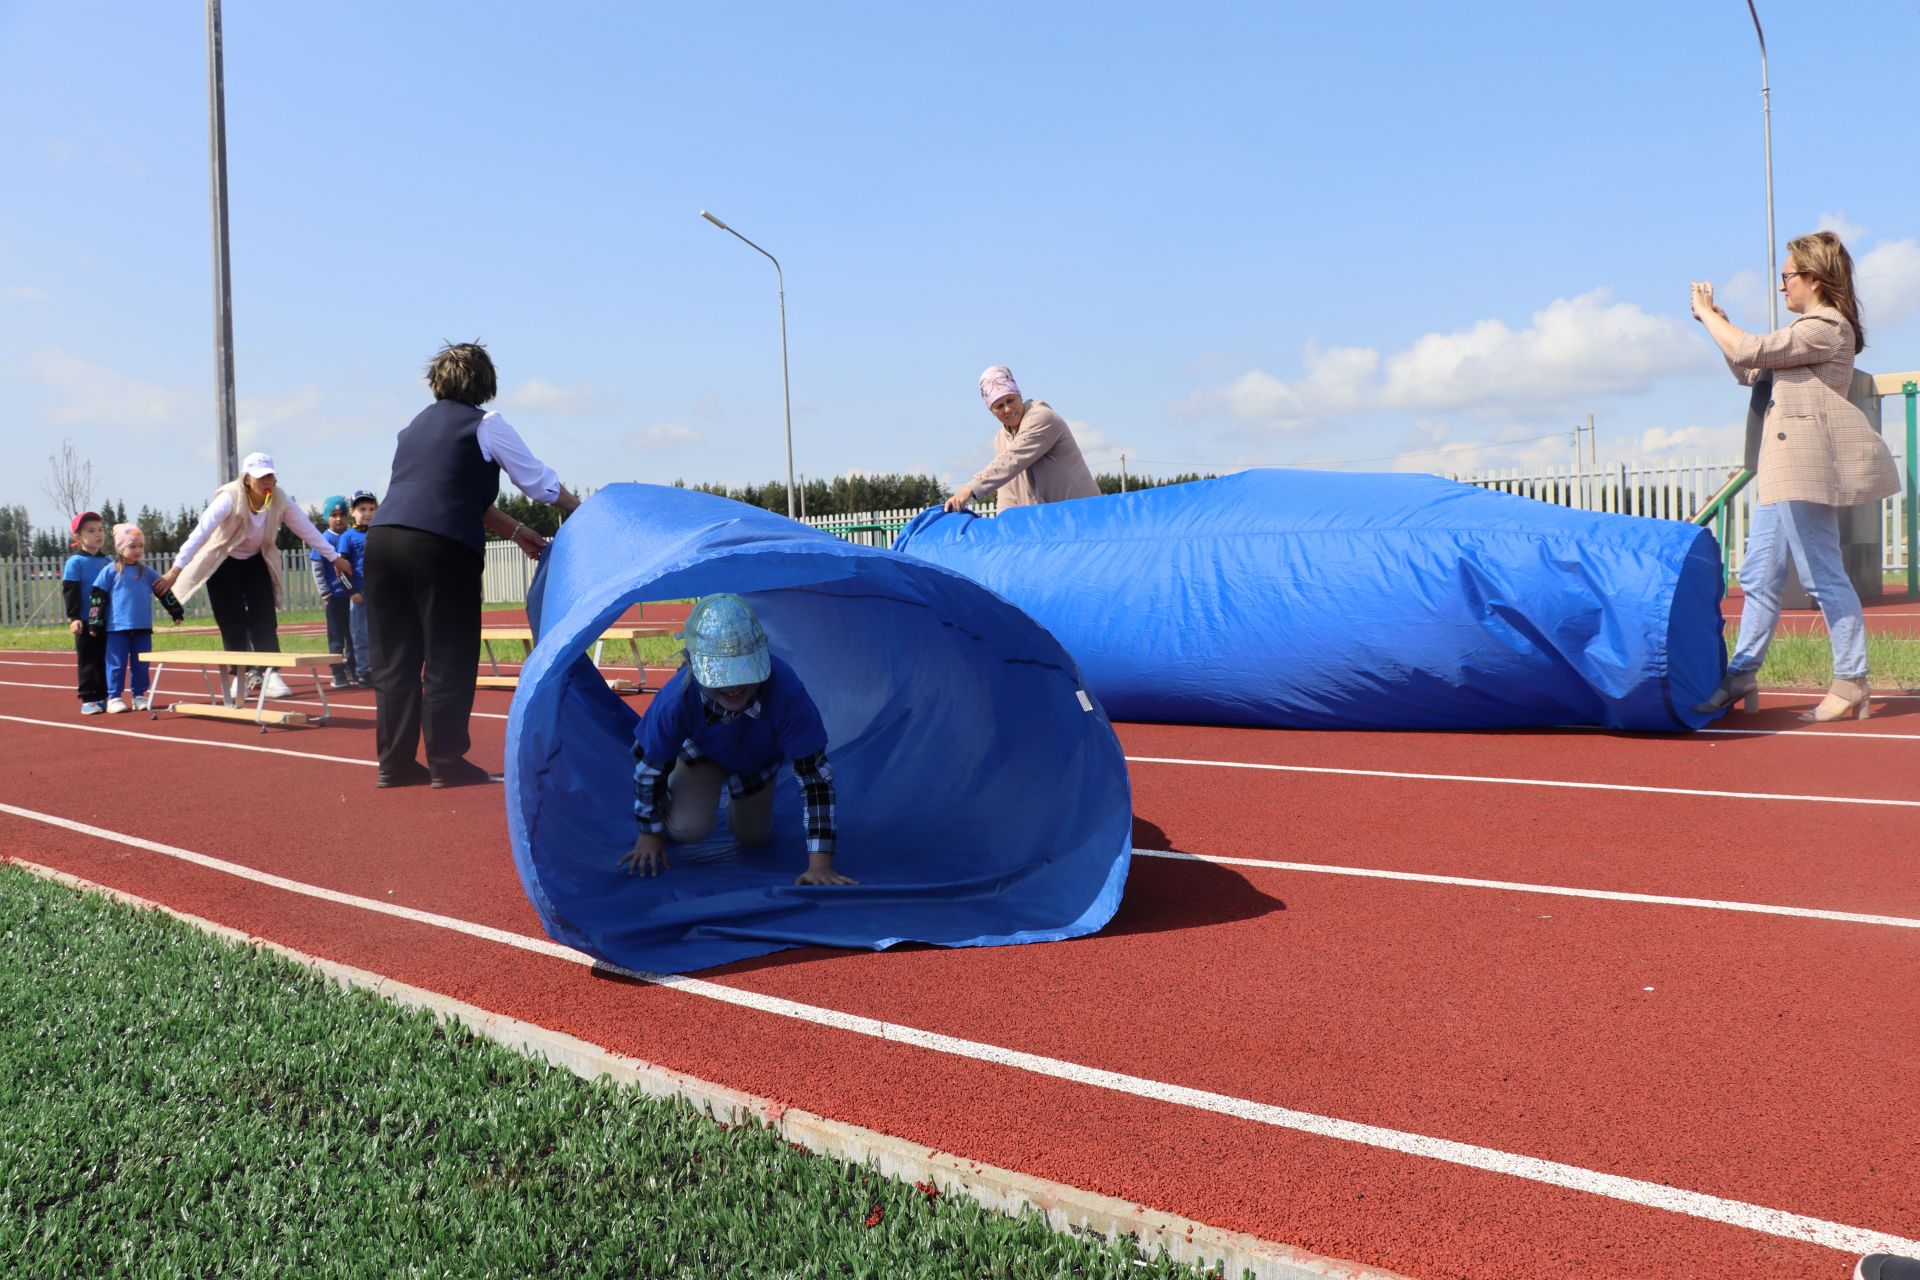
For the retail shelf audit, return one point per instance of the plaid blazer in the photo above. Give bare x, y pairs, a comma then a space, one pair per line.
1815, 444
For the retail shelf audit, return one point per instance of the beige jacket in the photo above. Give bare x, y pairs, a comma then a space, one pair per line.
226, 535
1038, 462
1815, 444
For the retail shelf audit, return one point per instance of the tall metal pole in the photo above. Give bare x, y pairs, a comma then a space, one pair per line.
785, 391
1766, 115
226, 453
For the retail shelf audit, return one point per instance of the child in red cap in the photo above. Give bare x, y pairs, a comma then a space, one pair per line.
89, 650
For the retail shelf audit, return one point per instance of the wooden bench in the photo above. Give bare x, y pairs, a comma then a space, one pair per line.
225, 706
523, 636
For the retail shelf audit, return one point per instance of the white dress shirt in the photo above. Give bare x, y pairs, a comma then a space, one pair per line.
500, 443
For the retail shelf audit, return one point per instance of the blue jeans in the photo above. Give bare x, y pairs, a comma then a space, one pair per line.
362, 655
1809, 533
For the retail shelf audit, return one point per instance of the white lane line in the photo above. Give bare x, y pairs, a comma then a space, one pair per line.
190, 742
1321, 868
1527, 782
1752, 1217
1831, 735
335, 704
1515, 886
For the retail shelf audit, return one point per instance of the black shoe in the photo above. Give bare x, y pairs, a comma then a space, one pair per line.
462, 773
1887, 1266
411, 776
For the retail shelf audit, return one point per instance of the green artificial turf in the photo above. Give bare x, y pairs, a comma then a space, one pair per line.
175, 1105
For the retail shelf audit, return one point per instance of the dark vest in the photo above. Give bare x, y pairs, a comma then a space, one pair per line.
441, 482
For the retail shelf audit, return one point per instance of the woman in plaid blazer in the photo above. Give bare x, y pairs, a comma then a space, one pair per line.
1817, 455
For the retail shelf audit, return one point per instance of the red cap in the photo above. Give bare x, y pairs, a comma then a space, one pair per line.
73, 526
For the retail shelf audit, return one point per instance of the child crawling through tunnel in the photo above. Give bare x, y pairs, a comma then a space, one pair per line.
731, 716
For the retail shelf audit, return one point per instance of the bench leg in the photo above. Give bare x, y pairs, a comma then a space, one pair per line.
153, 690
320, 688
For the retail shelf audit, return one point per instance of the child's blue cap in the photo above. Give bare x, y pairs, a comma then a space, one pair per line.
362, 495
333, 503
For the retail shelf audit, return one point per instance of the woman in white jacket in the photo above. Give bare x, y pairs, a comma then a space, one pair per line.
231, 553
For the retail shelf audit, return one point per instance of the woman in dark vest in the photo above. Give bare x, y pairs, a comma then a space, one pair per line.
425, 556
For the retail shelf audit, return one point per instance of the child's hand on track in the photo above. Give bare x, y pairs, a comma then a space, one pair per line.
76, 626
648, 856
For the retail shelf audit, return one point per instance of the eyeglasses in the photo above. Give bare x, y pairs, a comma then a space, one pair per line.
1788, 275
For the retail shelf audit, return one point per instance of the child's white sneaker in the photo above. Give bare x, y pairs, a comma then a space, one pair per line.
116, 705
276, 687
92, 708
142, 702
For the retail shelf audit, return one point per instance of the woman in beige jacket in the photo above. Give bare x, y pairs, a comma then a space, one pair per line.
1818, 454
232, 553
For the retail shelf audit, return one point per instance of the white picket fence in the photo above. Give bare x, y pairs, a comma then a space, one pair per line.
30, 586
875, 528
1671, 491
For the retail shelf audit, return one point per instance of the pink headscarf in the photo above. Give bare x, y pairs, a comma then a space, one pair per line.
124, 536
997, 381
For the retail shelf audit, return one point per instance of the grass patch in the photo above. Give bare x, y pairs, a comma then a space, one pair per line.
175, 1105
1805, 661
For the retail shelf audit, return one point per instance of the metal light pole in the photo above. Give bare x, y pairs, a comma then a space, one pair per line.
226, 452
785, 391
1766, 114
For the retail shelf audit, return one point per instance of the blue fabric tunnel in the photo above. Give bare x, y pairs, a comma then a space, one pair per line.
982, 797
1324, 600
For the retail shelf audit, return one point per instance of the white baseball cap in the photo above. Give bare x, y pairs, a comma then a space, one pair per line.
257, 465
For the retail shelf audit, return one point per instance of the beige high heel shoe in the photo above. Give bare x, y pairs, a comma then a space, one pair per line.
1742, 687
1844, 698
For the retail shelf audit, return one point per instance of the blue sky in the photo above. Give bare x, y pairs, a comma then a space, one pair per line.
1211, 235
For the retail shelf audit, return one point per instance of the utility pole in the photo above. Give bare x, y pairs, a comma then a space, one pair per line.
1123, 473
226, 452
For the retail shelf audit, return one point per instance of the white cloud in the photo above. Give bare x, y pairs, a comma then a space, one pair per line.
1837, 223
24, 293
1575, 348
1719, 443
537, 395
258, 417
1888, 279
88, 393
665, 436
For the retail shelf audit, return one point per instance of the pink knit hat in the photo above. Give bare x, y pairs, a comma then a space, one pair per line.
124, 536
997, 381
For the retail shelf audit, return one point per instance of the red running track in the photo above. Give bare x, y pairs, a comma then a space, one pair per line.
1764, 1059
1894, 613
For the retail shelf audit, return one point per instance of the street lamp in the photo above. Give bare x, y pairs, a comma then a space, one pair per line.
785, 390
1766, 114
226, 453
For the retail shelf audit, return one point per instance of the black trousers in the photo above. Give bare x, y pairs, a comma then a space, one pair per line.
241, 595
90, 657
423, 625
339, 610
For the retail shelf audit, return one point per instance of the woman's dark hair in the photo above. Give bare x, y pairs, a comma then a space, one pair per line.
1826, 260
462, 371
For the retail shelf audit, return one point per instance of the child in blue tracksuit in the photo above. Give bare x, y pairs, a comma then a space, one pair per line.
335, 595
353, 545
120, 606
76, 584
731, 716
